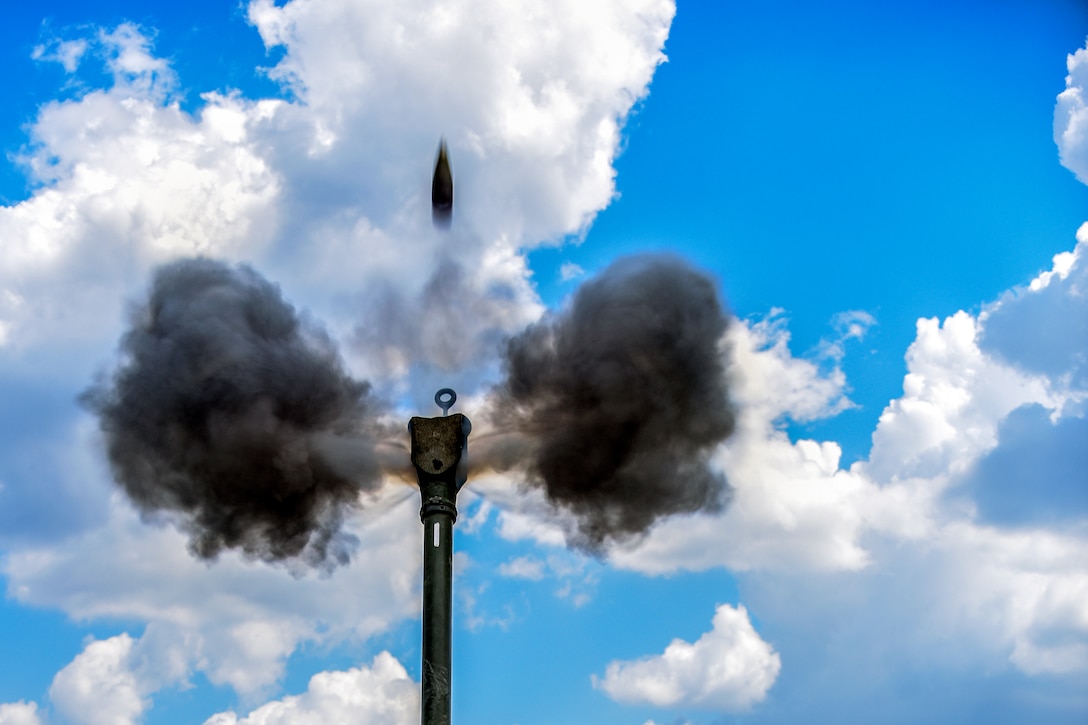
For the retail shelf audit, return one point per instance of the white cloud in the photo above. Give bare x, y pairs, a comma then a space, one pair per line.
848, 325
792, 510
381, 694
1028, 588
523, 567
569, 271
954, 396
19, 713
771, 384
575, 575
476, 617
128, 181
473, 522
1040, 328
99, 687
66, 52
128, 52
729, 668
524, 512
50, 478
1071, 116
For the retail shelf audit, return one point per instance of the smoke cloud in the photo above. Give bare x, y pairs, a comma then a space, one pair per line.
614, 405
233, 415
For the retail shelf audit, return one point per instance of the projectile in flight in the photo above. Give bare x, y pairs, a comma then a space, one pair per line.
442, 189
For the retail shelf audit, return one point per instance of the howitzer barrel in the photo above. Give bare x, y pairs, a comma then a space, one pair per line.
438, 453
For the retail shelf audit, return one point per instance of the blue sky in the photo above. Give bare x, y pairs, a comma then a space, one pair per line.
890, 201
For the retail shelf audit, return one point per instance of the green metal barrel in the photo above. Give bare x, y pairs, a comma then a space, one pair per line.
438, 448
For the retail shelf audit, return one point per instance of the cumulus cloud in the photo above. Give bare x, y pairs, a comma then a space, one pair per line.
954, 396
729, 668
48, 463
126, 180
1033, 472
773, 384
1008, 485
99, 686
19, 713
381, 694
981, 390
1029, 588
1041, 327
1071, 116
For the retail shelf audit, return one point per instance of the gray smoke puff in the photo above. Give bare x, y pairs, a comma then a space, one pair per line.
621, 399
232, 412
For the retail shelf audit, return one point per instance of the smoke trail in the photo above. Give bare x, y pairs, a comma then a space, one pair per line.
617, 402
235, 417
